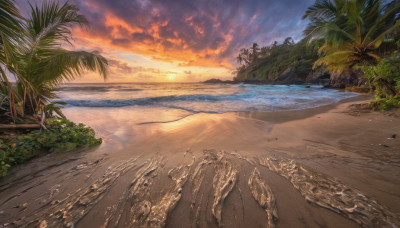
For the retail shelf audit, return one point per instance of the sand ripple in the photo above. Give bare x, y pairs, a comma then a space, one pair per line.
262, 193
144, 192
331, 194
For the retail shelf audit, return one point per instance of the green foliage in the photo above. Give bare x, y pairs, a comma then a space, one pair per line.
385, 104
54, 107
38, 61
385, 78
273, 60
4, 158
353, 31
63, 135
340, 35
10, 33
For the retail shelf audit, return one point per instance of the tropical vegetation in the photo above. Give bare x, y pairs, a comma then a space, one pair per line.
360, 34
62, 135
342, 37
385, 78
34, 52
266, 63
352, 31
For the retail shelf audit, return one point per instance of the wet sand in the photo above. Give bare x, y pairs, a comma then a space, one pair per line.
322, 167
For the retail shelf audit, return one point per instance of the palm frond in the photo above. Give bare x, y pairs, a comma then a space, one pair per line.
355, 27
52, 21
66, 65
10, 20
41, 64
10, 40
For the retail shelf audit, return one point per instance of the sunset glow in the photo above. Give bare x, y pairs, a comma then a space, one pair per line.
188, 41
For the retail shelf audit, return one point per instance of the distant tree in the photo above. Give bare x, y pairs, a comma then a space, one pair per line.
265, 51
288, 41
248, 56
255, 49
244, 56
239, 58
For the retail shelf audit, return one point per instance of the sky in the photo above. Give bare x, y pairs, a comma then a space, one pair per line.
179, 40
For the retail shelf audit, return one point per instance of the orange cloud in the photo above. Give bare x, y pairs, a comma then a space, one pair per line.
185, 35
127, 37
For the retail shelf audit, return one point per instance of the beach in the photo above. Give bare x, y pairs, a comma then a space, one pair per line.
330, 166
200, 114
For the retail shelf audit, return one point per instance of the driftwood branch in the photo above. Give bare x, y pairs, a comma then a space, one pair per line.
18, 126
42, 121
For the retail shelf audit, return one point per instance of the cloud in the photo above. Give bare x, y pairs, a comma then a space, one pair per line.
118, 66
183, 33
144, 76
141, 36
197, 33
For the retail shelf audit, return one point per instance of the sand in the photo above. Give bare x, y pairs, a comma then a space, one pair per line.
325, 167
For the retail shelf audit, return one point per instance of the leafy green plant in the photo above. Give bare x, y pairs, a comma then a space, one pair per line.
4, 160
385, 78
32, 51
54, 107
62, 135
384, 104
353, 30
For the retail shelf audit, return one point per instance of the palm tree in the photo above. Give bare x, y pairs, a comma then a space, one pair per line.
239, 58
255, 49
244, 56
248, 55
10, 39
265, 51
44, 63
352, 29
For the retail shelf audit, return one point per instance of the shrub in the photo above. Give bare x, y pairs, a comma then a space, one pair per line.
384, 104
385, 77
62, 135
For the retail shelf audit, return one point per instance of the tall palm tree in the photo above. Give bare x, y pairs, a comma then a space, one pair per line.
244, 56
44, 63
352, 29
255, 49
239, 58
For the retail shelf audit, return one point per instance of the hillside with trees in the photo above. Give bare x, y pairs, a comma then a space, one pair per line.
31, 52
341, 39
267, 63
354, 43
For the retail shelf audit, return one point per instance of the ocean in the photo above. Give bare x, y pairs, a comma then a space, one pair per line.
198, 97
120, 112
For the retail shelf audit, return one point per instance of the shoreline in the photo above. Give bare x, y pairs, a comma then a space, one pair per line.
297, 114
338, 149
273, 117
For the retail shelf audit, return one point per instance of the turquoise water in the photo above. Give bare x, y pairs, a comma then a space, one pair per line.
121, 112
198, 97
